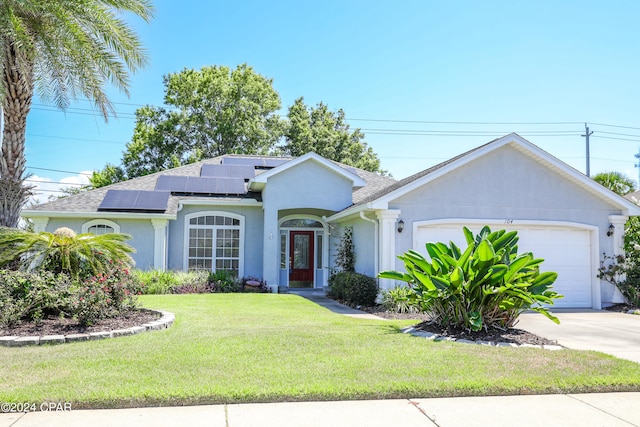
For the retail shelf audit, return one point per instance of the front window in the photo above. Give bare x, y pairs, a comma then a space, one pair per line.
214, 243
100, 229
100, 226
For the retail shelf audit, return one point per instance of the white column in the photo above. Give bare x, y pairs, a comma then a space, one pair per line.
618, 221
40, 224
387, 243
160, 243
271, 249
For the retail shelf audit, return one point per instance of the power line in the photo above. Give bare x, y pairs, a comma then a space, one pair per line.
53, 182
618, 139
59, 170
615, 126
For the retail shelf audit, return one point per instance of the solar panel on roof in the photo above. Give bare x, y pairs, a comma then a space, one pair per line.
172, 183
201, 185
228, 171
229, 186
139, 200
257, 162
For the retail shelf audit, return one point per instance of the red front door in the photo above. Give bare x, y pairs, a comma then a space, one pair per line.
301, 259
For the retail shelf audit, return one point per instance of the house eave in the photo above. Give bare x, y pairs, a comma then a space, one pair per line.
95, 214
219, 202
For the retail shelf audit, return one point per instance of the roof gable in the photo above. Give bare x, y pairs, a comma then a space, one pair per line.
381, 199
259, 182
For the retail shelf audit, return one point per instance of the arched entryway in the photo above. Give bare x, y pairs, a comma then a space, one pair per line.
303, 252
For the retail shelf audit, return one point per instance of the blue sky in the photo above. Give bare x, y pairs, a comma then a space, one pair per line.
425, 80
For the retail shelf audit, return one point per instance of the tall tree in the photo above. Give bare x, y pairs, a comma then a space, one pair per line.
616, 182
214, 111
326, 133
62, 49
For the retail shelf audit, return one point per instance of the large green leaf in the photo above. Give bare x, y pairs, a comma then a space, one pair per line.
419, 260
468, 235
545, 279
440, 282
395, 275
457, 276
498, 272
505, 239
516, 265
484, 251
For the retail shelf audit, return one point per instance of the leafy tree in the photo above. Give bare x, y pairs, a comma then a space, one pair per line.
616, 182
214, 111
326, 133
61, 49
107, 176
63, 251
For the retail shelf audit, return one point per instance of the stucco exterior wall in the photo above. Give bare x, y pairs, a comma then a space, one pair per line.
141, 230
307, 185
363, 244
506, 185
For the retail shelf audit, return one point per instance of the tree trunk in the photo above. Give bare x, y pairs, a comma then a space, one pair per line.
17, 81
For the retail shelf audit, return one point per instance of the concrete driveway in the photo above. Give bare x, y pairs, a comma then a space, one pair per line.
617, 334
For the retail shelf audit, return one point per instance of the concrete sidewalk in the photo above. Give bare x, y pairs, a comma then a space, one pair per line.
602, 409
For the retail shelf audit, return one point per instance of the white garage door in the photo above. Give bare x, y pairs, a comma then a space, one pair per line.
566, 250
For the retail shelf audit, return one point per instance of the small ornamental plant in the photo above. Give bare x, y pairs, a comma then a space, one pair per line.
488, 285
63, 251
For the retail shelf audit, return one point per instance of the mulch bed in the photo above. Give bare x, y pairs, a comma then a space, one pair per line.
512, 335
65, 326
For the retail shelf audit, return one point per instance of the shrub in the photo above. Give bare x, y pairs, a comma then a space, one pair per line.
401, 299
223, 281
34, 296
110, 294
623, 271
191, 282
487, 285
156, 281
345, 253
353, 288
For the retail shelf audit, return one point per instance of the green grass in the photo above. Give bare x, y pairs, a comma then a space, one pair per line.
265, 347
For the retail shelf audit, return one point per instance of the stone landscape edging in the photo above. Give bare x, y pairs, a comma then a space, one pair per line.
166, 319
431, 336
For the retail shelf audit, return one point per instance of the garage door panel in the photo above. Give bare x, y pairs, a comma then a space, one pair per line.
566, 251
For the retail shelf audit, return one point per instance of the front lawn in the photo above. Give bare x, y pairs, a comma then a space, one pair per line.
265, 347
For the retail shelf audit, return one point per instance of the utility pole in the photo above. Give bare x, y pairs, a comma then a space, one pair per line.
637, 156
586, 135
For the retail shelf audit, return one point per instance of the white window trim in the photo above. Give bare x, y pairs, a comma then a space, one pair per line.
89, 224
185, 240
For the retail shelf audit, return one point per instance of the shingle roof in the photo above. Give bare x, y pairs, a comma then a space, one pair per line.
90, 200
384, 190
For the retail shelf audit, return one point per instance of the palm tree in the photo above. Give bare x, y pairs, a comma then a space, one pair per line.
63, 251
615, 181
61, 49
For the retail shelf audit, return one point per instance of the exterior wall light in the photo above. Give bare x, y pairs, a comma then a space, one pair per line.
400, 226
612, 228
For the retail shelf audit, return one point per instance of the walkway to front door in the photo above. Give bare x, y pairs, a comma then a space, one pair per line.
301, 259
